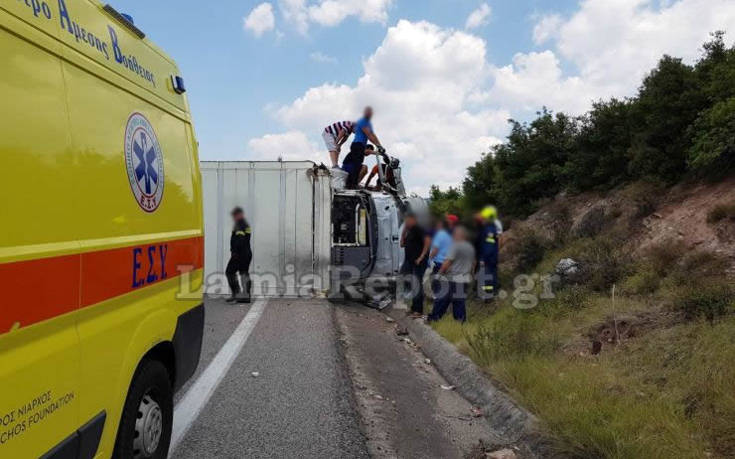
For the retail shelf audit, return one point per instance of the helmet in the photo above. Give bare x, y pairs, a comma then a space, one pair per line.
489, 213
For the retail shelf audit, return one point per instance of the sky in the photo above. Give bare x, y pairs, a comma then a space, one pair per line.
444, 76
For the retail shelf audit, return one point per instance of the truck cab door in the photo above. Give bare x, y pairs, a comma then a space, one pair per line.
353, 235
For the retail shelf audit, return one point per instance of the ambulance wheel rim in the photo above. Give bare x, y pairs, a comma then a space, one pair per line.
148, 428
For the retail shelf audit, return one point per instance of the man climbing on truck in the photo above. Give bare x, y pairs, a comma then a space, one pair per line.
335, 135
353, 161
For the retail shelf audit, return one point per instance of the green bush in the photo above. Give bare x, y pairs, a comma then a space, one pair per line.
645, 197
512, 335
713, 148
703, 264
721, 212
699, 267
662, 257
710, 301
643, 282
679, 123
604, 262
574, 297
560, 222
531, 250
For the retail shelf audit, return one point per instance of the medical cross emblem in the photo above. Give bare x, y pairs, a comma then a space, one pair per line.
144, 162
146, 156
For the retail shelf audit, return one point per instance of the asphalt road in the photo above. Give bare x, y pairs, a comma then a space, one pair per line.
305, 378
299, 405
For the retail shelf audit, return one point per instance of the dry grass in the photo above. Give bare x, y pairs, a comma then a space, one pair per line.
667, 392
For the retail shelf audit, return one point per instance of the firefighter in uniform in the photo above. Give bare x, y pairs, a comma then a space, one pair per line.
240, 257
487, 254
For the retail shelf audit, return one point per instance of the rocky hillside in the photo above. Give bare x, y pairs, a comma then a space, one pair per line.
699, 217
632, 354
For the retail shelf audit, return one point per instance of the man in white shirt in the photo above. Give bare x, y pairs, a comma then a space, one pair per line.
335, 135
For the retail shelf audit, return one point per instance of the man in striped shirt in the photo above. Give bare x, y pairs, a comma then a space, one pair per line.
335, 135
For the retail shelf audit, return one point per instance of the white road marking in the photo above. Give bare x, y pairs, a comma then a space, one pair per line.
191, 405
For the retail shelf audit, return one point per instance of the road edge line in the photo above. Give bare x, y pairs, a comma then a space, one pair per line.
196, 398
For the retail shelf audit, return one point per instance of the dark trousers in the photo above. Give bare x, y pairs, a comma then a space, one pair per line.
239, 265
435, 281
353, 164
415, 275
454, 293
487, 280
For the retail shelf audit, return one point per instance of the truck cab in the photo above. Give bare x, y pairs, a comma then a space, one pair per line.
366, 231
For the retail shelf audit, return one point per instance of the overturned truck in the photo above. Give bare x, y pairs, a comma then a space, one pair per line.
311, 237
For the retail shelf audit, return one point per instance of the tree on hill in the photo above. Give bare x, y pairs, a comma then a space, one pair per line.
681, 123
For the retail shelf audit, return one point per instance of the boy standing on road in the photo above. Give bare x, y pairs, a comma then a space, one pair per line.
240, 257
455, 276
416, 244
335, 135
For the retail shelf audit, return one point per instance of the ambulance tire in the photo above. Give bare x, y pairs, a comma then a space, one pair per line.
153, 381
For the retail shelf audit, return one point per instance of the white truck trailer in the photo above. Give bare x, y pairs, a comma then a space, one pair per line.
307, 233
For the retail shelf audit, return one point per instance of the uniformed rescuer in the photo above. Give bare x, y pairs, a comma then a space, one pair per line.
487, 254
240, 257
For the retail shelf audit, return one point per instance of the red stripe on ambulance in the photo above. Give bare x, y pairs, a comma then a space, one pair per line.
41, 289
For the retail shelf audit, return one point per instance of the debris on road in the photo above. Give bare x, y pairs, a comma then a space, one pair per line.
401, 331
502, 454
448, 387
389, 319
255, 374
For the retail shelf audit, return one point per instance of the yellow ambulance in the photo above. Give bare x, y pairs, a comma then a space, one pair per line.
100, 228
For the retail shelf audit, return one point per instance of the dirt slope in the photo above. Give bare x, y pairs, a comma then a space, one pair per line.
646, 214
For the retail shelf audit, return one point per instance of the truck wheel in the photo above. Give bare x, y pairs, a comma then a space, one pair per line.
147, 418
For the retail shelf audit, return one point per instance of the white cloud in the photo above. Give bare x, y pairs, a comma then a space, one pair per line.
440, 103
479, 17
614, 44
302, 13
534, 80
260, 19
547, 28
609, 47
290, 146
419, 81
322, 58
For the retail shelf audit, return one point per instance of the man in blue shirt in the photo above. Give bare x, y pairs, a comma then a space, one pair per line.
440, 245
353, 161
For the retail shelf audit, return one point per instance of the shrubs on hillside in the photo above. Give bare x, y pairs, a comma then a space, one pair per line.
680, 123
530, 251
709, 300
721, 212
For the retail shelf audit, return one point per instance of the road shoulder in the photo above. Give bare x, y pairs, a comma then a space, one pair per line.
407, 408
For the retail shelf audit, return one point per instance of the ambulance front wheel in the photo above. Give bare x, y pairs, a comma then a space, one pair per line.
147, 418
